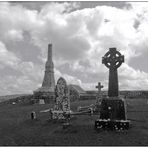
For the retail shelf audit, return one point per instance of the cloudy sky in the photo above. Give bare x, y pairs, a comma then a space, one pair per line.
81, 33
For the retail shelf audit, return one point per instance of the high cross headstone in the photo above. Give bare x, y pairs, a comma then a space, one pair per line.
62, 99
99, 87
99, 94
113, 60
113, 109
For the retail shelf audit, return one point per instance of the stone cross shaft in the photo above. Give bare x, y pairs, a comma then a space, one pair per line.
113, 60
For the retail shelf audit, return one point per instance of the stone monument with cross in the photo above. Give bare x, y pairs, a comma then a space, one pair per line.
113, 109
99, 94
62, 100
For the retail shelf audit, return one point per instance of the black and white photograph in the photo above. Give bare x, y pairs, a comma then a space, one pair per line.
73, 73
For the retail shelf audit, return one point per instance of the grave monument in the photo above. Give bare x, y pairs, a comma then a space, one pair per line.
62, 100
46, 92
99, 94
113, 109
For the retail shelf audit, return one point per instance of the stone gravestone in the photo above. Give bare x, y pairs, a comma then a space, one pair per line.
33, 115
99, 94
98, 97
113, 111
62, 100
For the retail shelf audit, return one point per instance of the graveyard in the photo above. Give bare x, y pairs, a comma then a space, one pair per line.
17, 129
73, 73
104, 121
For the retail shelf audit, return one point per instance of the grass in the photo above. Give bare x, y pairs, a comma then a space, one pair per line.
17, 129
9, 97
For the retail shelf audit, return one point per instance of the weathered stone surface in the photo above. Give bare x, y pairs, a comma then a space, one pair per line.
99, 94
113, 109
46, 92
118, 125
113, 114
113, 60
62, 95
49, 81
62, 100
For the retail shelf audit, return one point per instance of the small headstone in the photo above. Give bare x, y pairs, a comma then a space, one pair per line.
99, 94
33, 115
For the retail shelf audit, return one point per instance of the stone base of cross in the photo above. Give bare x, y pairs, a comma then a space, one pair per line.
113, 114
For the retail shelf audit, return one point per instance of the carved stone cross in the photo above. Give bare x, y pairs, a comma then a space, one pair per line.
113, 60
99, 86
99, 94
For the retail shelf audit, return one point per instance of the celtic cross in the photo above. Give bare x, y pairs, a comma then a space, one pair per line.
113, 60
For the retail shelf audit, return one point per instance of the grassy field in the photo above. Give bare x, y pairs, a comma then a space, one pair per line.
9, 97
17, 129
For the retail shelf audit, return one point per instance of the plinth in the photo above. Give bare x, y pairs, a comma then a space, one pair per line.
113, 114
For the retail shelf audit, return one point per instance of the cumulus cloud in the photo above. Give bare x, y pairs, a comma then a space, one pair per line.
7, 57
17, 76
132, 79
15, 35
80, 38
